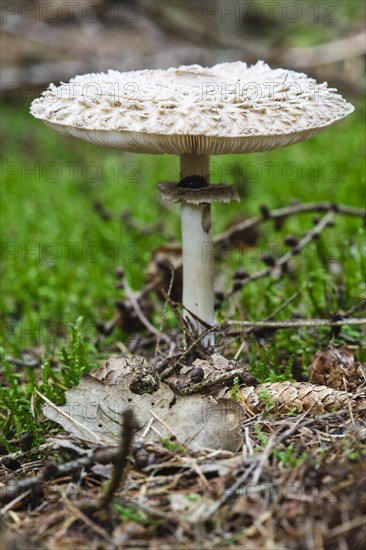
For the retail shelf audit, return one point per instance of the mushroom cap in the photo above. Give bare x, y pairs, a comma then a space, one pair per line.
228, 108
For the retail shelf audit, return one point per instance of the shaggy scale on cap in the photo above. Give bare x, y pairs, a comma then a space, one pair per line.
228, 108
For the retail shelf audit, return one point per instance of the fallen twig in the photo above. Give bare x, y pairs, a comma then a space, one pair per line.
330, 52
157, 347
53, 471
273, 314
283, 261
272, 215
230, 491
134, 299
84, 517
129, 425
44, 448
208, 383
283, 213
249, 325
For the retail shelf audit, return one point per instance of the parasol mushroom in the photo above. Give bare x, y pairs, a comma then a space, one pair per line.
193, 112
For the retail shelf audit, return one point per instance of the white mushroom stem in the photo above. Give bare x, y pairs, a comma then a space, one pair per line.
197, 249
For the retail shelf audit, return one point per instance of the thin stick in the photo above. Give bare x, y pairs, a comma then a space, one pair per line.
264, 457
24, 454
280, 213
90, 523
330, 52
15, 501
136, 306
358, 521
275, 439
283, 260
157, 348
14, 487
268, 318
229, 492
249, 325
61, 412
129, 425
166, 426
195, 388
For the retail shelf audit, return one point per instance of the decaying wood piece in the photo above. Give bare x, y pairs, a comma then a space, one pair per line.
297, 397
208, 376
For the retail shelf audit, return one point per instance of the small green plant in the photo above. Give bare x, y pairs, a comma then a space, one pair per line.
354, 456
194, 497
5, 443
288, 457
129, 514
292, 412
266, 396
73, 363
50, 386
268, 368
14, 398
16, 394
234, 392
171, 446
261, 436
75, 356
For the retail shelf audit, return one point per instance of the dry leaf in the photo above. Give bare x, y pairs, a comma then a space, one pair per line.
93, 409
336, 368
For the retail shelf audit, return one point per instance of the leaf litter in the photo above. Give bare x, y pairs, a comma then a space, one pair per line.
93, 409
295, 479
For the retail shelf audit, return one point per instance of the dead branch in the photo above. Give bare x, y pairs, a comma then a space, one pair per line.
229, 492
53, 471
278, 214
129, 426
330, 52
118, 457
183, 23
88, 521
206, 384
136, 306
44, 448
283, 213
246, 326
283, 261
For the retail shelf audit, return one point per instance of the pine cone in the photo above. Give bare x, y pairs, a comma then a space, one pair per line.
301, 396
